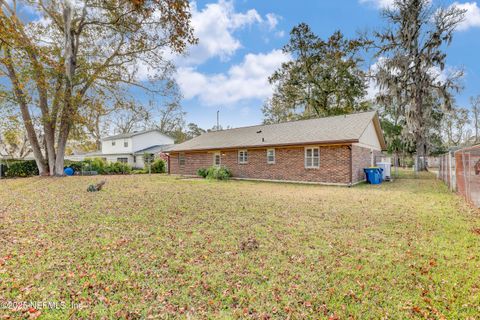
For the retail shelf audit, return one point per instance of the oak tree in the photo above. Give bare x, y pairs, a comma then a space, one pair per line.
323, 77
75, 49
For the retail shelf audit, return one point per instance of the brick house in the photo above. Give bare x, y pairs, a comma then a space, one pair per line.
332, 150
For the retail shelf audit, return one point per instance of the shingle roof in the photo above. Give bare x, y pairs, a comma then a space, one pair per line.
154, 149
130, 134
330, 130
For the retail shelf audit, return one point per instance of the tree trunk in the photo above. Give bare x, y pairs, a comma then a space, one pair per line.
47, 119
61, 145
70, 66
27, 119
421, 154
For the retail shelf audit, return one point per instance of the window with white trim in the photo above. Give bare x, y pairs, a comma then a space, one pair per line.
122, 160
181, 159
125, 144
242, 156
270, 156
217, 159
312, 157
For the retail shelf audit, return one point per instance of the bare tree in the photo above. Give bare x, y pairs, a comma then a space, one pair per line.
171, 118
454, 127
133, 117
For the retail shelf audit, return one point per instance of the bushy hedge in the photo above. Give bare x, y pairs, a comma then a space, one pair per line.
158, 166
202, 172
25, 168
102, 167
215, 173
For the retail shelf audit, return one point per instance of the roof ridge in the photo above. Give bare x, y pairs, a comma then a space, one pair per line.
135, 133
293, 121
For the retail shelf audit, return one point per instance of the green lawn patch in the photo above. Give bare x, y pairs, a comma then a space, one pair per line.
157, 246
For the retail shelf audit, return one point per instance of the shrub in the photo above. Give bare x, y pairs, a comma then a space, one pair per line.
75, 165
117, 168
22, 169
139, 171
99, 165
158, 166
409, 162
202, 172
95, 164
218, 173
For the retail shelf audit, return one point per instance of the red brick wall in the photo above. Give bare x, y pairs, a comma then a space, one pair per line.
193, 161
361, 158
289, 165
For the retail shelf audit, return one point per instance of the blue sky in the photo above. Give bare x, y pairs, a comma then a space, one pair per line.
240, 45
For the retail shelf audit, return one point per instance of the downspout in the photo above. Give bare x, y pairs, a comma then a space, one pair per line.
351, 166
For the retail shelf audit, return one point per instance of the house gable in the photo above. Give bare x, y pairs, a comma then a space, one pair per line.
149, 139
369, 138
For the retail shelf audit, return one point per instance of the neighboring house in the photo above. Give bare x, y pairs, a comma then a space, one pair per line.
130, 147
331, 150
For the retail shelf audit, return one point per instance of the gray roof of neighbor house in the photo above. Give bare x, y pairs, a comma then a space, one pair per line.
132, 134
154, 149
330, 130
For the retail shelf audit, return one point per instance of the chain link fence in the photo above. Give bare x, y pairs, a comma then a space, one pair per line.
460, 170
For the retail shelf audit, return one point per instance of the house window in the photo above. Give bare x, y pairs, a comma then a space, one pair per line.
181, 159
134, 159
270, 156
122, 160
125, 144
217, 159
312, 157
113, 143
242, 156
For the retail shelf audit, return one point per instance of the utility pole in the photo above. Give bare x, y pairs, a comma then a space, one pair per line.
218, 122
475, 102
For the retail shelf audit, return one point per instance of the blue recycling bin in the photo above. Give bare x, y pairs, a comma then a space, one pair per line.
373, 175
69, 171
380, 171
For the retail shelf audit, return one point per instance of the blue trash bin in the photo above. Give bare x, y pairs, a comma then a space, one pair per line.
69, 171
373, 175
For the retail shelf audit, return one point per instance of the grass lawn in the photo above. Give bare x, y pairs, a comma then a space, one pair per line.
160, 247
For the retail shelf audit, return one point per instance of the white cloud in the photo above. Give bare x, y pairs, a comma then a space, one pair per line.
382, 4
215, 26
272, 20
472, 15
244, 81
